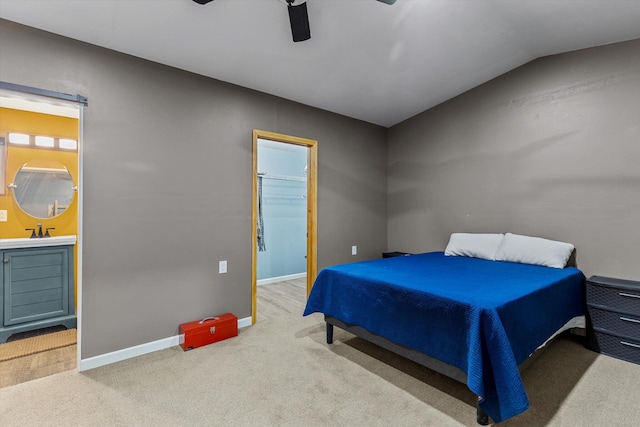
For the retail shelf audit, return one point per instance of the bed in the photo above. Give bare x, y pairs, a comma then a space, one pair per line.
475, 320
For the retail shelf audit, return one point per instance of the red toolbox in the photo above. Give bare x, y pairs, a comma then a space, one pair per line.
208, 330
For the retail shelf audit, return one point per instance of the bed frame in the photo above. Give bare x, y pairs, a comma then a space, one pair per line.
416, 356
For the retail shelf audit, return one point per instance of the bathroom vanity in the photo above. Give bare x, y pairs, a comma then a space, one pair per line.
37, 284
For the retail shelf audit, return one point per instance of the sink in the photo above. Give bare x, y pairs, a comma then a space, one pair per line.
25, 242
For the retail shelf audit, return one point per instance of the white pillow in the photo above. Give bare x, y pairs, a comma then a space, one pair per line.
476, 245
534, 250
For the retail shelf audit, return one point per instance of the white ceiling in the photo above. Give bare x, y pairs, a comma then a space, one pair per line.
365, 59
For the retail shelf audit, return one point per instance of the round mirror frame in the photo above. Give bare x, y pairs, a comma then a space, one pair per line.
43, 188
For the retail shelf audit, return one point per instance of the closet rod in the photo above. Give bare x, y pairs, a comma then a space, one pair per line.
282, 177
302, 197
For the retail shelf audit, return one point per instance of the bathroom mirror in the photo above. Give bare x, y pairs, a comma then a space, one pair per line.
43, 188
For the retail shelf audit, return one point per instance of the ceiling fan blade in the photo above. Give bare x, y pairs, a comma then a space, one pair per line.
202, 1
387, 1
299, 19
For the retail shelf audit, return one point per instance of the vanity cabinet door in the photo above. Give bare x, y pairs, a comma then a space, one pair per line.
36, 284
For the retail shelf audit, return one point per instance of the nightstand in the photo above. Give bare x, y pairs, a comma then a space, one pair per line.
393, 254
613, 317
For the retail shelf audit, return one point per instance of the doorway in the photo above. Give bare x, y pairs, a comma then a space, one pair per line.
309, 195
40, 144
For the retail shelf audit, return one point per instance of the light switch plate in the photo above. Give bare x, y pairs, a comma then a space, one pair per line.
354, 250
3, 215
222, 267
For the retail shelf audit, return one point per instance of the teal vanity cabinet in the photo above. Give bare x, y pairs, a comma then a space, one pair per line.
37, 289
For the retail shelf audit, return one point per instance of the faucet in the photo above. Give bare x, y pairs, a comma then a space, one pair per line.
39, 234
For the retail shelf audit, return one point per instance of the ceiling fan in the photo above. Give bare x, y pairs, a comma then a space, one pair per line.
298, 17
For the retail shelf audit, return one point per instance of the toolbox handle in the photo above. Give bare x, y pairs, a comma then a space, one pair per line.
208, 318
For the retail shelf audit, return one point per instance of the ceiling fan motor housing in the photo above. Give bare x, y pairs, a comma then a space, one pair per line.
299, 19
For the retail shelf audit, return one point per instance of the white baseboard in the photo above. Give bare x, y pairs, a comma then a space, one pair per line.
243, 323
127, 353
139, 350
280, 279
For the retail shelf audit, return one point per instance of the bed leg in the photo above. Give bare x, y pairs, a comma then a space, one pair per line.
329, 333
481, 417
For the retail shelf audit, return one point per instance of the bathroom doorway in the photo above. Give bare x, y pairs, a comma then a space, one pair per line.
283, 211
41, 176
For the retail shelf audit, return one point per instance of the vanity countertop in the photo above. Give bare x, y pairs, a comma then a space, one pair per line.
26, 242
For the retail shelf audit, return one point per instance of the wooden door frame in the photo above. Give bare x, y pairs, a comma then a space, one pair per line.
312, 208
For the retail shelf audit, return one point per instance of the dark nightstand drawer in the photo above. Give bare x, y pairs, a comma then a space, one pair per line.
618, 323
621, 298
616, 346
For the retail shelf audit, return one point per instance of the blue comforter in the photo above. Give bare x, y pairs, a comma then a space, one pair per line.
484, 317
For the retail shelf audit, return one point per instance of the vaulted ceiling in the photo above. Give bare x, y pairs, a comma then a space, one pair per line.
365, 59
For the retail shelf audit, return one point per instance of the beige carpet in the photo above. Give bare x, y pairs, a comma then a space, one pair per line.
37, 344
280, 372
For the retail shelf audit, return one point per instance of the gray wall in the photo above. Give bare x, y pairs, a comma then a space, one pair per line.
167, 184
551, 149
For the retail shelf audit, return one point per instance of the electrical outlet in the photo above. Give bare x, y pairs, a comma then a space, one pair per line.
354, 250
3, 215
222, 267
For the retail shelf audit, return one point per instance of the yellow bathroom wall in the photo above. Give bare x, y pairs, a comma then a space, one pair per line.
37, 124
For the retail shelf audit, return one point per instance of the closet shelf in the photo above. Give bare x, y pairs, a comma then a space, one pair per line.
282, 177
